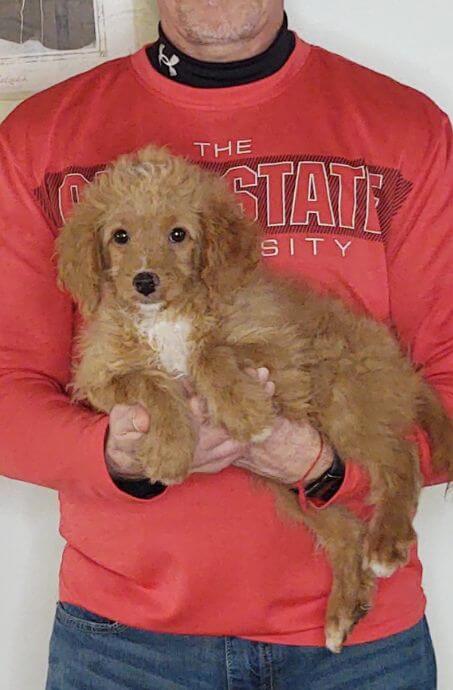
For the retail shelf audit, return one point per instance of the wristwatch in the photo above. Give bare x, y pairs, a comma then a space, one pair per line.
326, 486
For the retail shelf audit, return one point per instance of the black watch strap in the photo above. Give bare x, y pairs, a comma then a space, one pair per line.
326, 486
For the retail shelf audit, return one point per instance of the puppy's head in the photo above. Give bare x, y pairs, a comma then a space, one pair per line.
155, 229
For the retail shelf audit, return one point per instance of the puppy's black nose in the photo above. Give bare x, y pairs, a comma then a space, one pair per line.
146, 283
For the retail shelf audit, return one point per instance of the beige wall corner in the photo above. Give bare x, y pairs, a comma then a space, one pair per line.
146, 20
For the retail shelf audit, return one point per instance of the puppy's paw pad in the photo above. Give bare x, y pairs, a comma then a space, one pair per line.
383, 570
385, 559
262, 436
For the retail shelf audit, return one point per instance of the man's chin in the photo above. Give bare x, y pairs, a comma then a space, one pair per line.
220, 24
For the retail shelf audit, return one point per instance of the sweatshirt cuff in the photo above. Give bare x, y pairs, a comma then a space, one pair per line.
352, 492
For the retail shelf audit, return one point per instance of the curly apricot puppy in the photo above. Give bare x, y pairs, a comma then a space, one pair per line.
166, 272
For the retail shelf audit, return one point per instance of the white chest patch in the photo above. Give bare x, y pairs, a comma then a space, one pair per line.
169, 337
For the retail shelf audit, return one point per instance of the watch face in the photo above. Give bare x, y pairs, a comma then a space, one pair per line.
325, 490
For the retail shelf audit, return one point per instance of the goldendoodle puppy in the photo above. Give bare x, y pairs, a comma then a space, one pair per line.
166, 271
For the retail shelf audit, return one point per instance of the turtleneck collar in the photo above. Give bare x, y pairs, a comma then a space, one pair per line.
179, 67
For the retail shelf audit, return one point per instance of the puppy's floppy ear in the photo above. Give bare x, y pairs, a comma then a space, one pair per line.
230, 241
80, 257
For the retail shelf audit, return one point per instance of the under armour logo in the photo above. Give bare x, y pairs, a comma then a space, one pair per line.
168, 62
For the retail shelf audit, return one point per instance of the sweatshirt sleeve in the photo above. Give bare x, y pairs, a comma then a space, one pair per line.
45, 439
419, 251
420, 268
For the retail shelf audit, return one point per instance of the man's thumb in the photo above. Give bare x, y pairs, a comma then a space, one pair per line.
139, 419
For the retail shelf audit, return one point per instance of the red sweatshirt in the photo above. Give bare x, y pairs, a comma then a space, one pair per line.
351, 175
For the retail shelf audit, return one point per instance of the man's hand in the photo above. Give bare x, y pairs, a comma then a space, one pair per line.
289, 452
285, 456
128, 424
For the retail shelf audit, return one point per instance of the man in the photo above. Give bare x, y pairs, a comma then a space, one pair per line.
202, 585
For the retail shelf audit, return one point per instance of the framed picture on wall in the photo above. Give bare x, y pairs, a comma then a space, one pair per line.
43, 42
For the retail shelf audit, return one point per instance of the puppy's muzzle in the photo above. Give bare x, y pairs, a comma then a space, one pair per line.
146, 283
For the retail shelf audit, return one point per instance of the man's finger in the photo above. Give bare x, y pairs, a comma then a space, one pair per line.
188, 387
221, 451
213, 467
263, 374
269, 389
140, 419
198, 408
217, 464
123, 466
126, 419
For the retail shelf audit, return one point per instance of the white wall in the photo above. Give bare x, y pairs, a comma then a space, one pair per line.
408, 39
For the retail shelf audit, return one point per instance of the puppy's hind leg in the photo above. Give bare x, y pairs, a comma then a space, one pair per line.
341, 535
365, 422
395, 488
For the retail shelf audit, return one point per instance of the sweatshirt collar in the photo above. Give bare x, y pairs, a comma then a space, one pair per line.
225, 98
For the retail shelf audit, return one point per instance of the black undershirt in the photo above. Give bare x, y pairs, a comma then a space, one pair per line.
167, 59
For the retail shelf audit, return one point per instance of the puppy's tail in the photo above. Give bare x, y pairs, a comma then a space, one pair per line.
433, 418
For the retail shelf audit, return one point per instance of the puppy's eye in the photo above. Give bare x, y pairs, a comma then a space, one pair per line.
121, 237
177, 235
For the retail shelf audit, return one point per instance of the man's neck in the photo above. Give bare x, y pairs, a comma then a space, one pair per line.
226, 52
174, 64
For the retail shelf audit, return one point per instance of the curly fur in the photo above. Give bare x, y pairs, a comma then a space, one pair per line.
342, 371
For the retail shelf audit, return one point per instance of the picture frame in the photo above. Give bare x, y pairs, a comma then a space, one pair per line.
43, 42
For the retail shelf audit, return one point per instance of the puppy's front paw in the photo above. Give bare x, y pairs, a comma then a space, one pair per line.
167, 462
245, 411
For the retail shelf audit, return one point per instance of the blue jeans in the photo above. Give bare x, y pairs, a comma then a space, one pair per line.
92, 653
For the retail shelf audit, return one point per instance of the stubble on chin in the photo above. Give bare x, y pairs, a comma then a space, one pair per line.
209, 22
